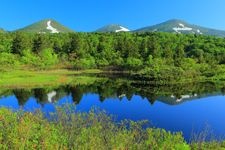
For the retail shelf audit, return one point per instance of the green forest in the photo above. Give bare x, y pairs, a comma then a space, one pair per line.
155, 55
32, 65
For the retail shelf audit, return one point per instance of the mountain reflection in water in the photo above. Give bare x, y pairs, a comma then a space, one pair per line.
176, 107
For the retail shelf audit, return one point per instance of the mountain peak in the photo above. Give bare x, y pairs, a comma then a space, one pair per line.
181, 27
113, 28
46, 26
176, 20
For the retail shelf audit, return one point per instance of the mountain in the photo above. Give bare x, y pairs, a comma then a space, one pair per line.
46, 26
180, 26
172, 26
113, 28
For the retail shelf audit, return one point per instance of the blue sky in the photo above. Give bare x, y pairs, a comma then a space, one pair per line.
88, 15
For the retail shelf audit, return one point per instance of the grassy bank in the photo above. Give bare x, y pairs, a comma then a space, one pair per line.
93, 130
26, 78
43, 78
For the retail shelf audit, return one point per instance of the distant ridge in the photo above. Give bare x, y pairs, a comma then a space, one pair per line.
180, 26
46, 26
176, 26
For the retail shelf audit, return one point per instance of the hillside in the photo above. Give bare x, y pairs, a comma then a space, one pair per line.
113, 28
46, 26
179, 26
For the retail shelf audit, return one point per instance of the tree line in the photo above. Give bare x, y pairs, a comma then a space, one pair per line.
154, 54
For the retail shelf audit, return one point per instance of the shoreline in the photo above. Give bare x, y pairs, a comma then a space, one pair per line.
31, 78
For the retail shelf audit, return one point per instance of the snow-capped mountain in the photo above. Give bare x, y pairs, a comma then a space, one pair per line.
172, 26
179, 26
113, 28
46, 26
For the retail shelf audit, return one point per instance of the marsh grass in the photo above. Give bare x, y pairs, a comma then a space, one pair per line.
206, 139
22, 78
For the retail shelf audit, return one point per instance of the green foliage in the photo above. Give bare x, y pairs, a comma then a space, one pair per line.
150, 54
101, 62
20, 42
68, 129
29, 58
39, 43
85, 63
44, 60
179, 55
48, 58
5, 43
213, 145
134, 63
77, 45
160, 139
28, 131
8, 61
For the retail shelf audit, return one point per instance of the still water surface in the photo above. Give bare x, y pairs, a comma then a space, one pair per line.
188, 108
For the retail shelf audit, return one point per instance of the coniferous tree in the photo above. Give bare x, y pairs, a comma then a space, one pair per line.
20, 42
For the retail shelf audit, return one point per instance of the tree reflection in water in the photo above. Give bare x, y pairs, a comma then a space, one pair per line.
171, 94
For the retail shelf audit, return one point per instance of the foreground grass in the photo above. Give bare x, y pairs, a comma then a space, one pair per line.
93, 130
22, 78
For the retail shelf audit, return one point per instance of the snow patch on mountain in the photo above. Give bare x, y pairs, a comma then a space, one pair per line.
182, 97
182, 25
182, 28
122, 29
199, 32
49, 27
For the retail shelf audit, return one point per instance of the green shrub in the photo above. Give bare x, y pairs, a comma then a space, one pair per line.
85, 63
68, 129
28, 131
160, 139
48, 58
93, 130
8, 61
134, 63
29, 58
102, 62
44, 60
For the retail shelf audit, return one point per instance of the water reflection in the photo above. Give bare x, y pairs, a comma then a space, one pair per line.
169, 94
179, 107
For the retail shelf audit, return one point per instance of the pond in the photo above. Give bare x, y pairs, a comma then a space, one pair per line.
189, 108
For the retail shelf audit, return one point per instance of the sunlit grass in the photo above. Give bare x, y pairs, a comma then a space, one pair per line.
21, 78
